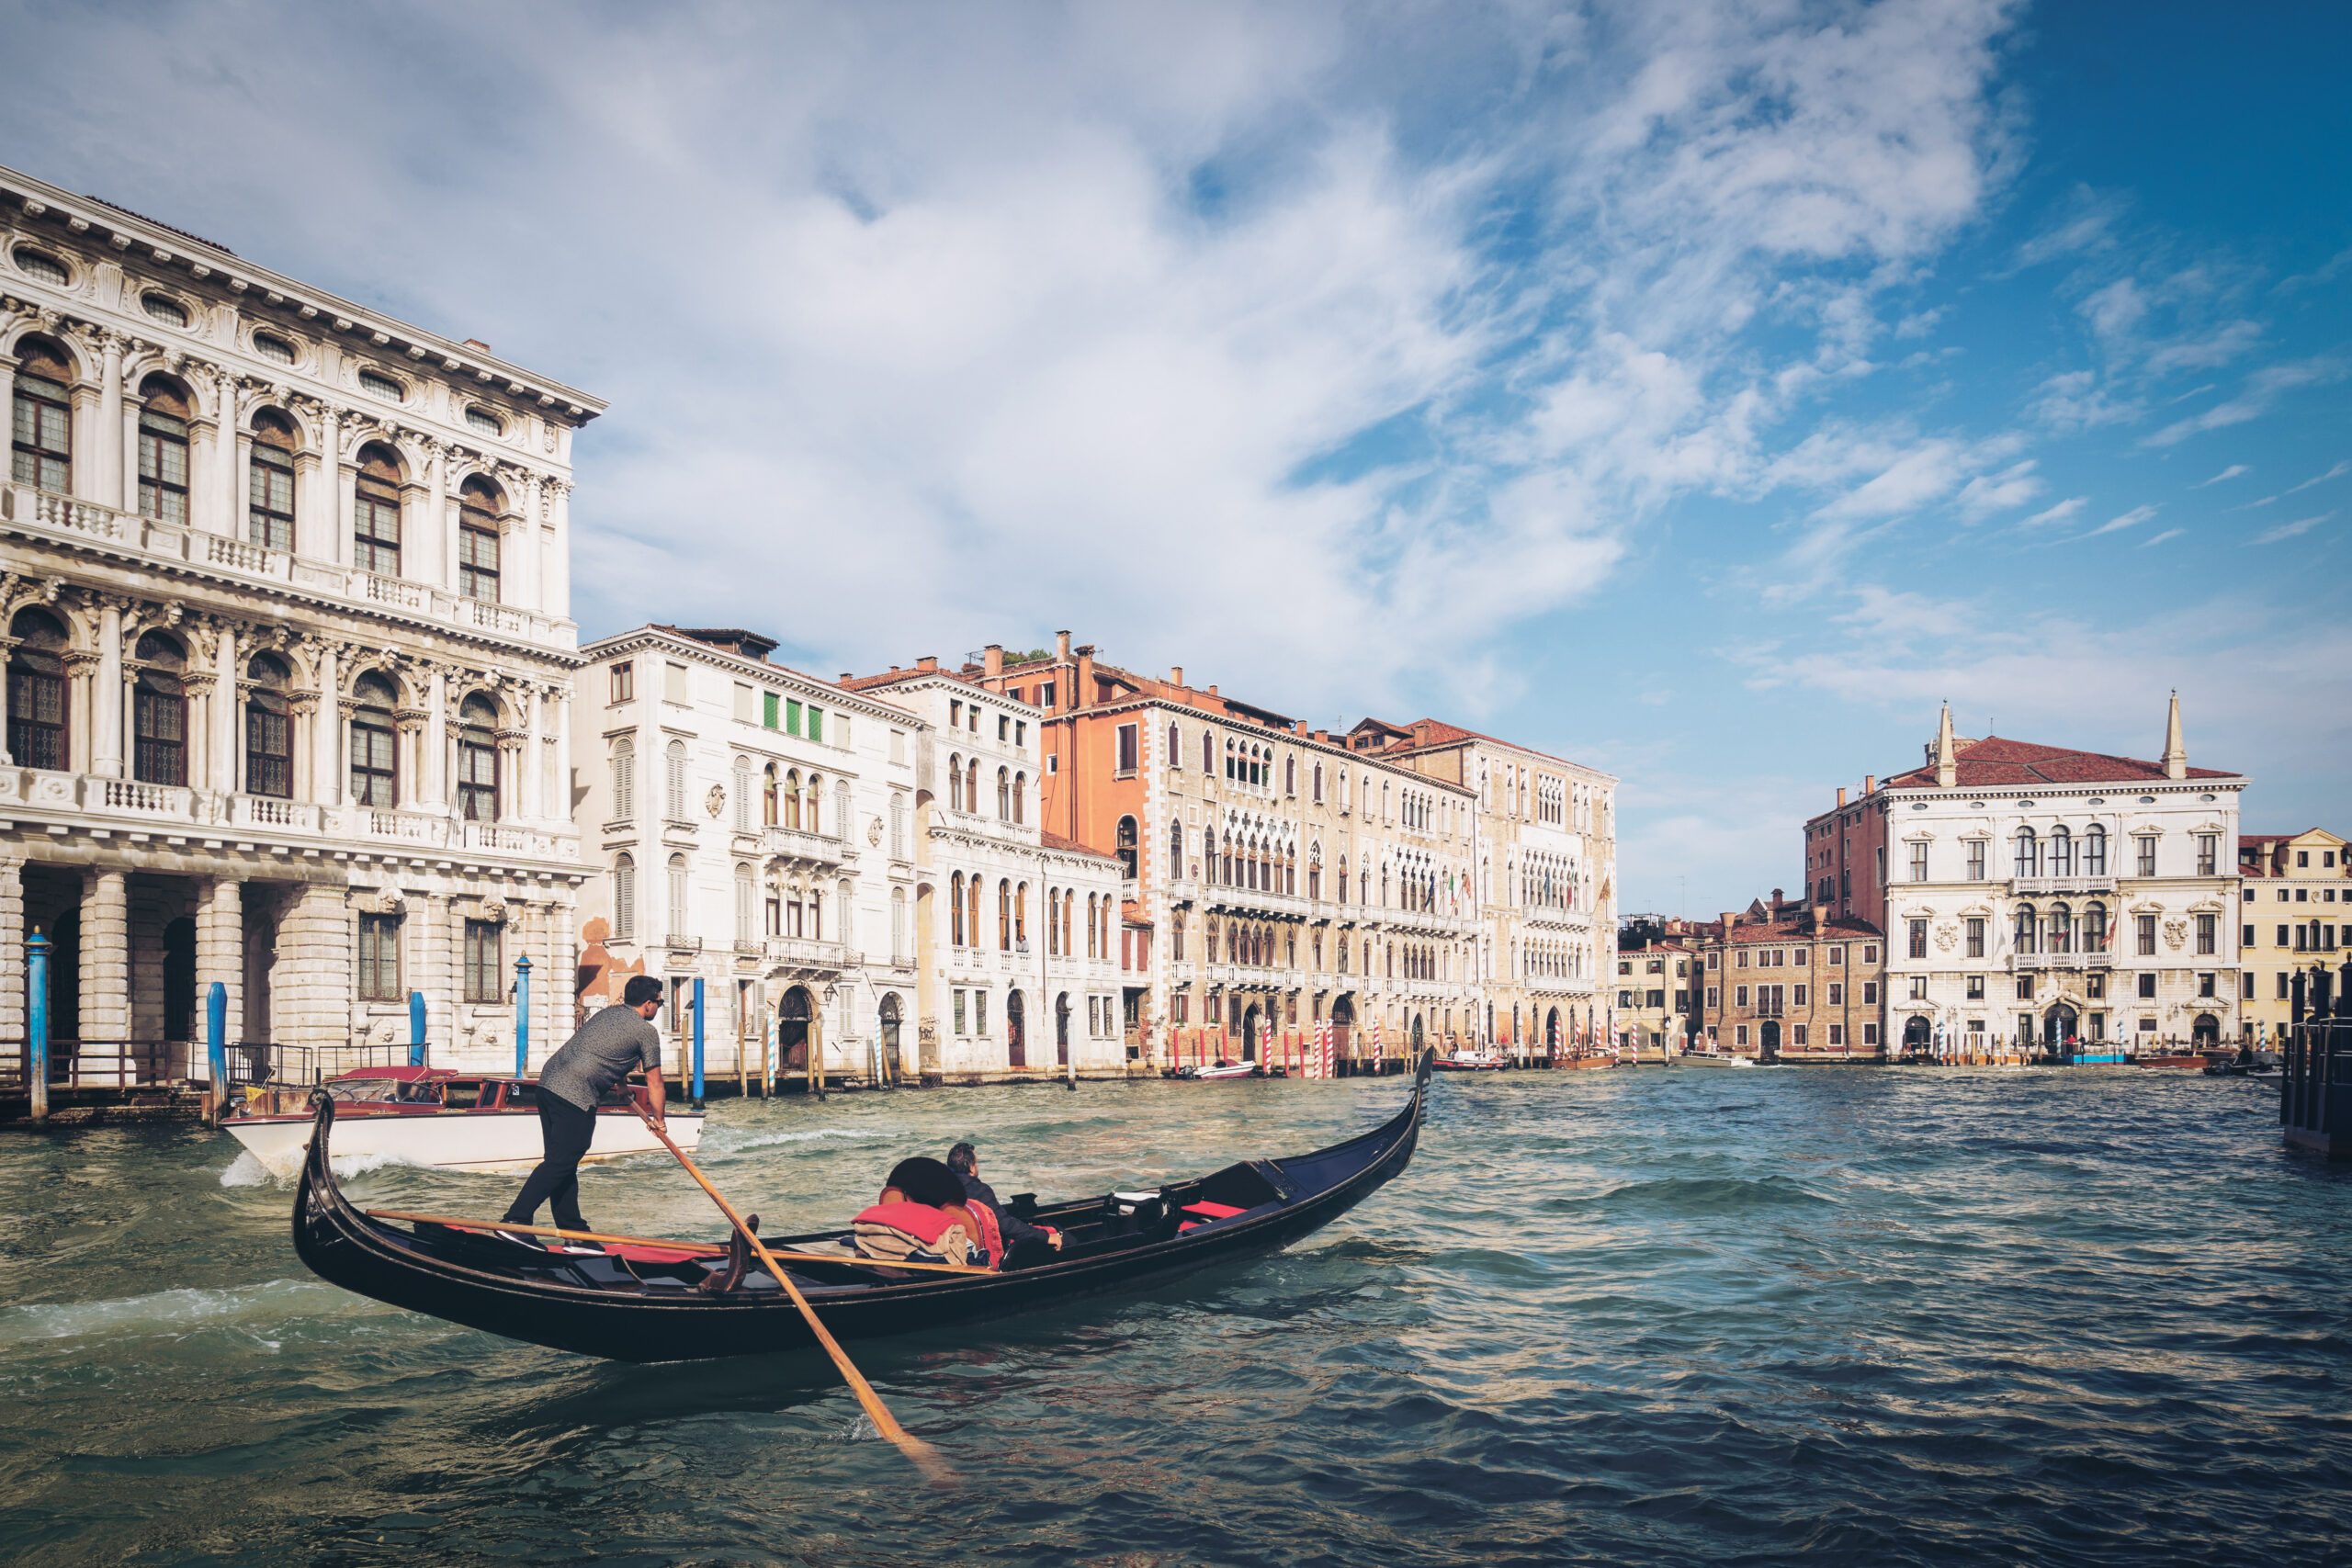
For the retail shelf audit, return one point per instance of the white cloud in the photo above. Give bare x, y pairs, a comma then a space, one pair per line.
2289, 530
2160, 538
2336, 472
1986, 494
2064, 511
2232, 472
2131, 519
2262, 388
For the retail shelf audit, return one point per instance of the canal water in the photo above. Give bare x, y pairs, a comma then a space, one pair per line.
1693, 1315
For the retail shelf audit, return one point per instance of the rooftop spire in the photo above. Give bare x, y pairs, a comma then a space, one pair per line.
2175, 757
1947, 754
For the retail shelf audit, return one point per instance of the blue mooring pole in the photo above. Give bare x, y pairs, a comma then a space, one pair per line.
697, 1094
215, 1045
417, 1029
523, 1016
37, 1024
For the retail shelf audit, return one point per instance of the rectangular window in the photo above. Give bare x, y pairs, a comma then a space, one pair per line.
2208, 853
674, 683
1836, 995
2245, 987
2207, 933
1126, 749
980, 1012
816, 722
1682, 1002
1796, 1033
2245, 936
624, 682
2282, 985
1739, 1035
2205, 985
960, 1028
1870, 993
1870, 1035
2148, 988
484, 975
1976, 936
380, 958
1836, 956
1657, 1000
1800, 996
1183, 1006
1743, 958
1003, 727
1715, 997
1918, 939
2144, 931
1045, 695
792, 716
2148, 857
2282, 938
1976, 860
269, 497
376, 526
478, 563
1837, 1034
269, 747
747, 708
1625, 998
1919, 862
1975, 988
2025, 988
1714, 960
1739, 995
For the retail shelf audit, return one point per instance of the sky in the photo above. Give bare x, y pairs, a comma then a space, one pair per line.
1704, 391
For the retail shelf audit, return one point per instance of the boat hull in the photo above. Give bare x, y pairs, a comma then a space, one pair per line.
491, 1142
474, 1279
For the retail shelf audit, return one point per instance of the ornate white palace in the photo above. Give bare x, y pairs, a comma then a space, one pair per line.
289, 656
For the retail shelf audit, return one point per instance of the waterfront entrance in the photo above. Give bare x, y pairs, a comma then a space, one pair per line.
1343, 1019
888, 1020
792, 1029
1552, 1032
2058, 1025
1916, 1035
1770, 1035
1249, 1032
1061, 1030
1016, 1039
2207, 1030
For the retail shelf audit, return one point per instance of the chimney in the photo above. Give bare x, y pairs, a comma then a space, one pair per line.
1212, 690
2175, 757
1841, 795
1869, 785
992, 661
1947, 755
1776, 903
1061, 646
1175, 674
1730, 919
928, 662
1083, 696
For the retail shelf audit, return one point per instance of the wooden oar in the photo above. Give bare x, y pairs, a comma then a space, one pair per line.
925, 1457
697, 1248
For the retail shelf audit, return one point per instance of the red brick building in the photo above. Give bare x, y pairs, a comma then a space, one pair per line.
1795, 983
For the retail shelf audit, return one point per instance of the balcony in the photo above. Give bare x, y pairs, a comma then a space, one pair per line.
680, 942
802, 952
2044, 887
793, 843
40, 514
2028, 963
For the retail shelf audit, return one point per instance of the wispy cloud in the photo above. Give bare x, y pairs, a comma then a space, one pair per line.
2262, 390
2336, 472
2232, 472
2131, 519
2289, 530
2064, 511
2160, 538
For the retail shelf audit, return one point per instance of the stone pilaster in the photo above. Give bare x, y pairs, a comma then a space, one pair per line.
12, 949
311, 983
221, 950
105, 958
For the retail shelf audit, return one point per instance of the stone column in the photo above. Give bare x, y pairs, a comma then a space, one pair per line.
237, 447
221, 950
228, 757
203, 743
534, 765
105, 958
13, 1001
326, 734
555, 593
105, 692
204, 465
531, 592
435, 780
302, 726
559, 766
8, 647
432, 550
317, 523
311, 983
111, 462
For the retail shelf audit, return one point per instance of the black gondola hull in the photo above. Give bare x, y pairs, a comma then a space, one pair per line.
463, 1280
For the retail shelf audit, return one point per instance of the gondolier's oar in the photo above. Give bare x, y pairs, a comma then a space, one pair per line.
692, 1248
914, 1448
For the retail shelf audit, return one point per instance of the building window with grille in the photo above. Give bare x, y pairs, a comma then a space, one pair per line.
624, 681
1919, 862
159, 712
680, 915
624, 778
41, 419
269, 483
674, 780
2209, 849
1125, 739
269, 729
477, 759
163, 451
478, 505
376, 513
1918, 939
624, 899
2207, 933
2094, 852
2029, 853
375, 776
2145, 935
2148, 856
485, 976
37, 708
380, 958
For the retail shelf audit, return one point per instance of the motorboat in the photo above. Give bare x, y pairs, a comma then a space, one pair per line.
661, 1301
1221, 1069
435, 1116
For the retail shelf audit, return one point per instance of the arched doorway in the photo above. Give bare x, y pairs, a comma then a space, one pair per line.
1770, 1035
792, 1029
2058, 1026
1417, 1034
1249, 1032
1061, 1030
1016, 1038
888, 1021
1343, 1022
1915, 1034
2206, 1031
1552, 1032
179, 980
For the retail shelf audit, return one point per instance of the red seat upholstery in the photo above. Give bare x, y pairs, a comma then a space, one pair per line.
1214, 1211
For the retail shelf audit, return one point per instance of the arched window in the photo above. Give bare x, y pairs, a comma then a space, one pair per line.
269, 729
955, 782
840, 807
972, 787
1290, 872
1090, 927
681, 917
674, 780
956, 902
845, 915
1208, 854
2094, 927
1020, 788
2062, 852
375, 775
1319, 784
42, 420
478, 508
2026, 929
1004, 795
972, 908
2062, 928
376, 513
1343, 879
899, 826
2094, 852
1175, 848
747, 912
269, 482
1053, 922
2029, 853
1315, 870
1127, 845
478, 760
1289, 775
814, 823
769, 790
1175, 748
624, 778
1069, 903
898, 931
1003, 916
624, 899
1208, 753
162, 450
792, 798
742, 793
159, 710
1021, 916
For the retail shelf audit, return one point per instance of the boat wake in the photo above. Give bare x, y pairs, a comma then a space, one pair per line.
171, 1313
249, 1169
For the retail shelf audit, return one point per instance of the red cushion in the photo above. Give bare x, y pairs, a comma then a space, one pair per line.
649, 1254
1214, 1211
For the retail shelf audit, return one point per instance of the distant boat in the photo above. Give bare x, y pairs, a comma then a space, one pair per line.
436, 1117
1222, 1070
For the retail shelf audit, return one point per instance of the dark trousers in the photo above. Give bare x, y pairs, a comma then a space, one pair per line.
565, 1133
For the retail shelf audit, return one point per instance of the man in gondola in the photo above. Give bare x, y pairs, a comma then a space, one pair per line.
602, 1052
1023, 1243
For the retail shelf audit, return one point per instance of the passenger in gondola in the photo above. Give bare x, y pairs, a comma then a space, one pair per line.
1024, 1244
922, 1217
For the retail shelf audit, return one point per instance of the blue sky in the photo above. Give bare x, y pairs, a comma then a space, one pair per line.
1703, 391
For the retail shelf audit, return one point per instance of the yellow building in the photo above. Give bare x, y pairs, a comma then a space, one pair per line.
2297, 913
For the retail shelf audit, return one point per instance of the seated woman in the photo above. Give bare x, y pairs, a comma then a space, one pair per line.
922, 1217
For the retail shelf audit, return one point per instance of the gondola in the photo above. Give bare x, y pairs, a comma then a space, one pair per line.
676, 1304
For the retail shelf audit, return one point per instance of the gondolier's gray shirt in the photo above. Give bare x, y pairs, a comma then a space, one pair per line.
606, 1049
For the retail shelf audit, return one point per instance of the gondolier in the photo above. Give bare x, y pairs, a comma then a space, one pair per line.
601, 1053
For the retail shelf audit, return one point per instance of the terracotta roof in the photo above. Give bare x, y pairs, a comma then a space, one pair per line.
895, 677
1996, 763
1797, 928
1060, 845
1431, 734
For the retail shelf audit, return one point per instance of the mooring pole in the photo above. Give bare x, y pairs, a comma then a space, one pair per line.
523, 1016
215, 1045
417, 1029
37, 1024
697, 1093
